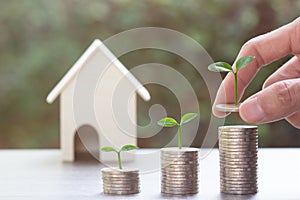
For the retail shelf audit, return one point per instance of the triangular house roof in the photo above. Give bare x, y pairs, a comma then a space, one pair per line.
97, 45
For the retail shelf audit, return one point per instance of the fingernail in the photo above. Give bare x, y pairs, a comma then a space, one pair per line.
251, 111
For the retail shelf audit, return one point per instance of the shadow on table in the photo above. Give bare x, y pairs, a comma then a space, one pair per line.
236, 197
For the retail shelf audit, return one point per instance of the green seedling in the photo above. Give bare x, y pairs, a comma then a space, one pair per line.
225, 67
127, 147
170, 122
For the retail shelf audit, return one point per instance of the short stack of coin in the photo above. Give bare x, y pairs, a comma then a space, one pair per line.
179, 169
120, 182
238, 159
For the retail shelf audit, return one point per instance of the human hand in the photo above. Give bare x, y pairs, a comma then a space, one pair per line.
280, 95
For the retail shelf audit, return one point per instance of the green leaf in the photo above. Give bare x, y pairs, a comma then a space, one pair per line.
108, 149
243, 62
167, 122
188, 117
128, 147
220, 67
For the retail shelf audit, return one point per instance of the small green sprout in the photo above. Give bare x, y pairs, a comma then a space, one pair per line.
225, 67
127, 147
170, 122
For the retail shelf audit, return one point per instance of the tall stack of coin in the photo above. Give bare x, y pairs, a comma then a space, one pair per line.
179, 171
238, 159
120, 182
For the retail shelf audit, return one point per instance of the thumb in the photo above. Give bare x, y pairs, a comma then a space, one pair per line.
273, 103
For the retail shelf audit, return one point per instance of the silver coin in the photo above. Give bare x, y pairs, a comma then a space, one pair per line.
127, 179
244, 150
232, 156
226, 178
121, 189
186, 174
237, 159
238, 174
238, 169
165, 188
235, 192
179, 176
235, 171
242, 146
184, 189
231, 188
107, 182
191, 161
180, 167
237, 141
120, 175
186, 183
181, 185
177, 150
238, 163
110, 185
119, 171
254, 167
121, 192
179, 171
242, 133
183, 170
180, 181
223, 150
241, 176
178, 191
180, 163
222, 137
172, 193
239, 187
239, 190
225, 188
235, 155
180, 194
185, 157
241, 182
251, 149
176, 160
238, 128
120, 183
227, 107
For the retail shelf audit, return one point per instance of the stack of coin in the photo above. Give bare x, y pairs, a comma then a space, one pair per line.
238, 159
120, 182
179, 171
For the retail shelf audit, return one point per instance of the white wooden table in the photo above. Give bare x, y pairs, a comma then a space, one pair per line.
40, 174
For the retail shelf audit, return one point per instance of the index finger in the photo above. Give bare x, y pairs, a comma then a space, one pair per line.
266, 49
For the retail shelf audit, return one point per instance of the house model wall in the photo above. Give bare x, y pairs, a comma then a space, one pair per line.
100, 92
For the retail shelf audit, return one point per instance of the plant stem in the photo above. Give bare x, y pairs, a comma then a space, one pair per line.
119, 159
179, 137
236, 89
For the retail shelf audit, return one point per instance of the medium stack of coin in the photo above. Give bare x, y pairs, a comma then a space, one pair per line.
238, 159
179, 169
120, 182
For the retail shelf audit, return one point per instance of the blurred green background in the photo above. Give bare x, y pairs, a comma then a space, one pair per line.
41, 39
